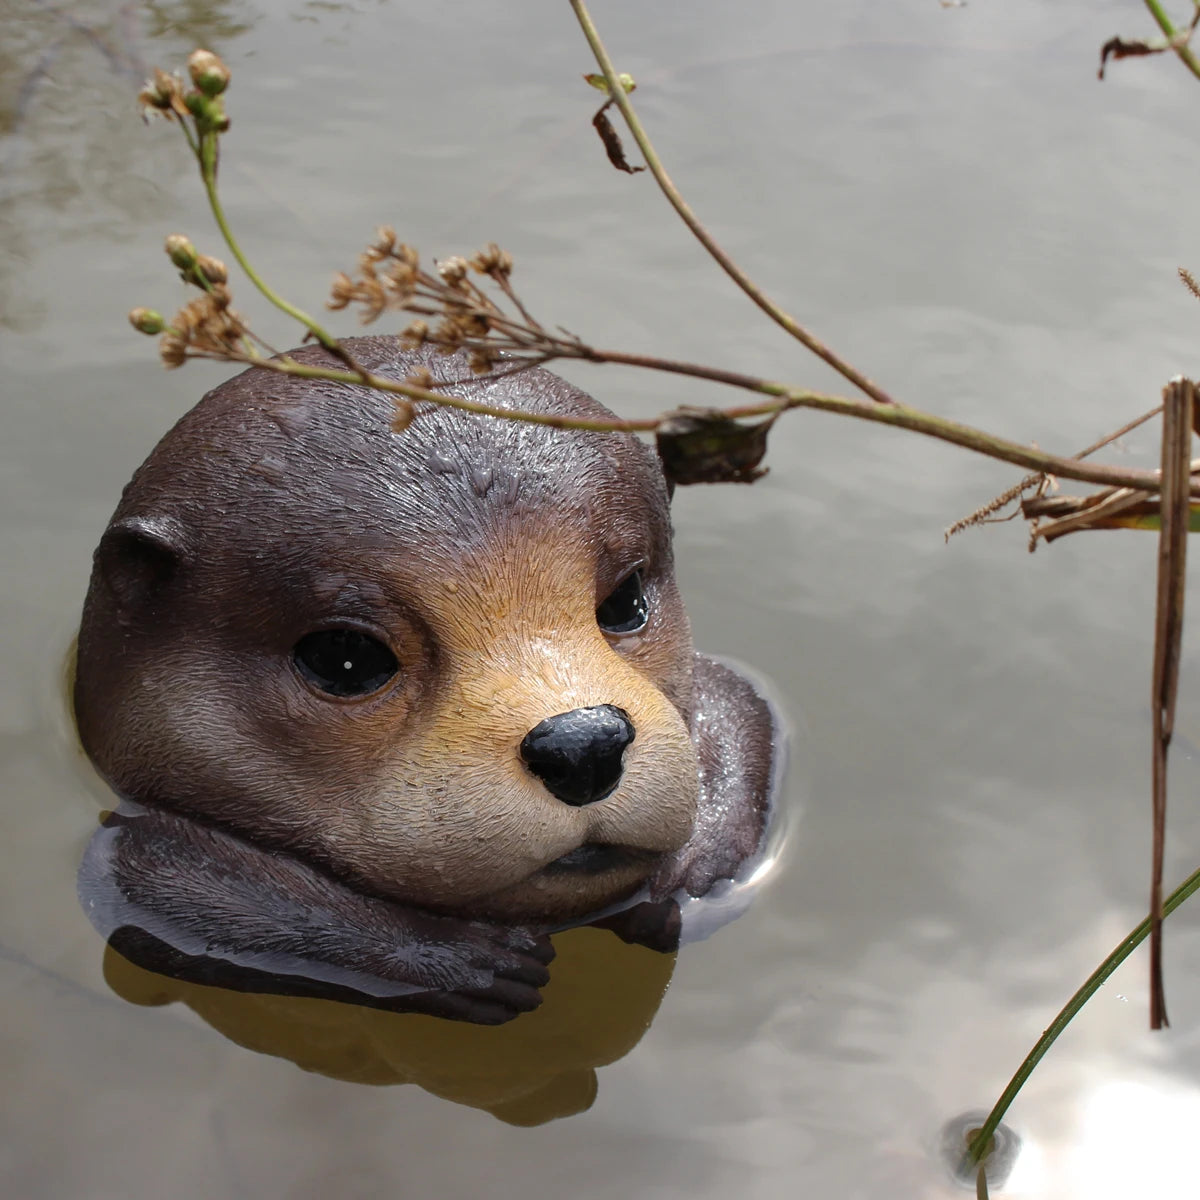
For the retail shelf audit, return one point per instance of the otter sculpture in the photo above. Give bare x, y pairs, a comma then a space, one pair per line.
386, 708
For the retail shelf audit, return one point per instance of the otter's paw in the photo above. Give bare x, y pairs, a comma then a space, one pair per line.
655, 925
201, 905
487, 974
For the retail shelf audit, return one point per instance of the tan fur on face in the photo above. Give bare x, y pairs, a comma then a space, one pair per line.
478, 553
419, 793
454, 819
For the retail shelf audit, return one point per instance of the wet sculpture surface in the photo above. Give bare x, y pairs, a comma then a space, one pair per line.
386, 709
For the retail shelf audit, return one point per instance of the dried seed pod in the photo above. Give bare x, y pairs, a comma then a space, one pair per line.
146, 320
342, 292
173, 351
415, 334
180, 251
213, 269
208, 72
493, 261
453, 270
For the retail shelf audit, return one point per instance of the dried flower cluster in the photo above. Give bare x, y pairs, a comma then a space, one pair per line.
205, 327
168, 96
461, 315
163, 95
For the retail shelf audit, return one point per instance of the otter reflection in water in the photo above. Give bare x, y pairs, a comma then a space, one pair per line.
386, 709
601, 998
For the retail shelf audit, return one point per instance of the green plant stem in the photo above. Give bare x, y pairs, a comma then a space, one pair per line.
784, 397
1180, 46
1069, 1011
677, 202
207, 157
193, 145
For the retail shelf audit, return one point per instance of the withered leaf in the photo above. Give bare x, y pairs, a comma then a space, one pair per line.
1119, 47
703, 445
612, 142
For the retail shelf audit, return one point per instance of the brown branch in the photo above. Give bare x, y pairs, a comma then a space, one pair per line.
1069, 514
1178, 405
1177, 40
781, 397
981, 514
1090, 512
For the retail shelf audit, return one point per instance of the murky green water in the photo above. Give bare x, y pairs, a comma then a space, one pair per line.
952, 199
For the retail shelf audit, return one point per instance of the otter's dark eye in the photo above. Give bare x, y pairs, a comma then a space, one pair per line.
344, 662
625, 610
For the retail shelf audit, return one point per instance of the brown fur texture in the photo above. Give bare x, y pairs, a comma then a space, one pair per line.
477, 550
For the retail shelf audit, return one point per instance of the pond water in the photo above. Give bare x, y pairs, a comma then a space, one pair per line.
951, 198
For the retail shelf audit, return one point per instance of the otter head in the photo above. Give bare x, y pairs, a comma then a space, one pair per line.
448, 666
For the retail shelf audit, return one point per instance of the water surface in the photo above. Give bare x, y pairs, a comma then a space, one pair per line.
948, 196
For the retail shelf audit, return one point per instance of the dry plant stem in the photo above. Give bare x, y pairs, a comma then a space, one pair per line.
784, 397
1178, 403
899, 415
1103, 506
1177, 39
1005, 498
507, 289
1128, 427
1079, 513
881, 408
379, 383
1069, 1011
621, 98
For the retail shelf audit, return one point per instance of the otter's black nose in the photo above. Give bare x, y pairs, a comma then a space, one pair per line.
577, 754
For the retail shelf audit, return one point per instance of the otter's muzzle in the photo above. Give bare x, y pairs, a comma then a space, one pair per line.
577, 754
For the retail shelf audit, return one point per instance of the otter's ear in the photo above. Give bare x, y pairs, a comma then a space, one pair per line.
138, 556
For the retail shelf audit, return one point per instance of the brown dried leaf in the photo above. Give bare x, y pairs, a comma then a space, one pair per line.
612, 142
701, 445
1119, 47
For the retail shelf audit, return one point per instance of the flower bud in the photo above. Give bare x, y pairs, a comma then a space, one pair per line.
453, 270
213, 269
173, 351
181, 251
163, 94
208, 72
153, 97
208, 112
415, 334
199, 105
493, 261
146, 320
